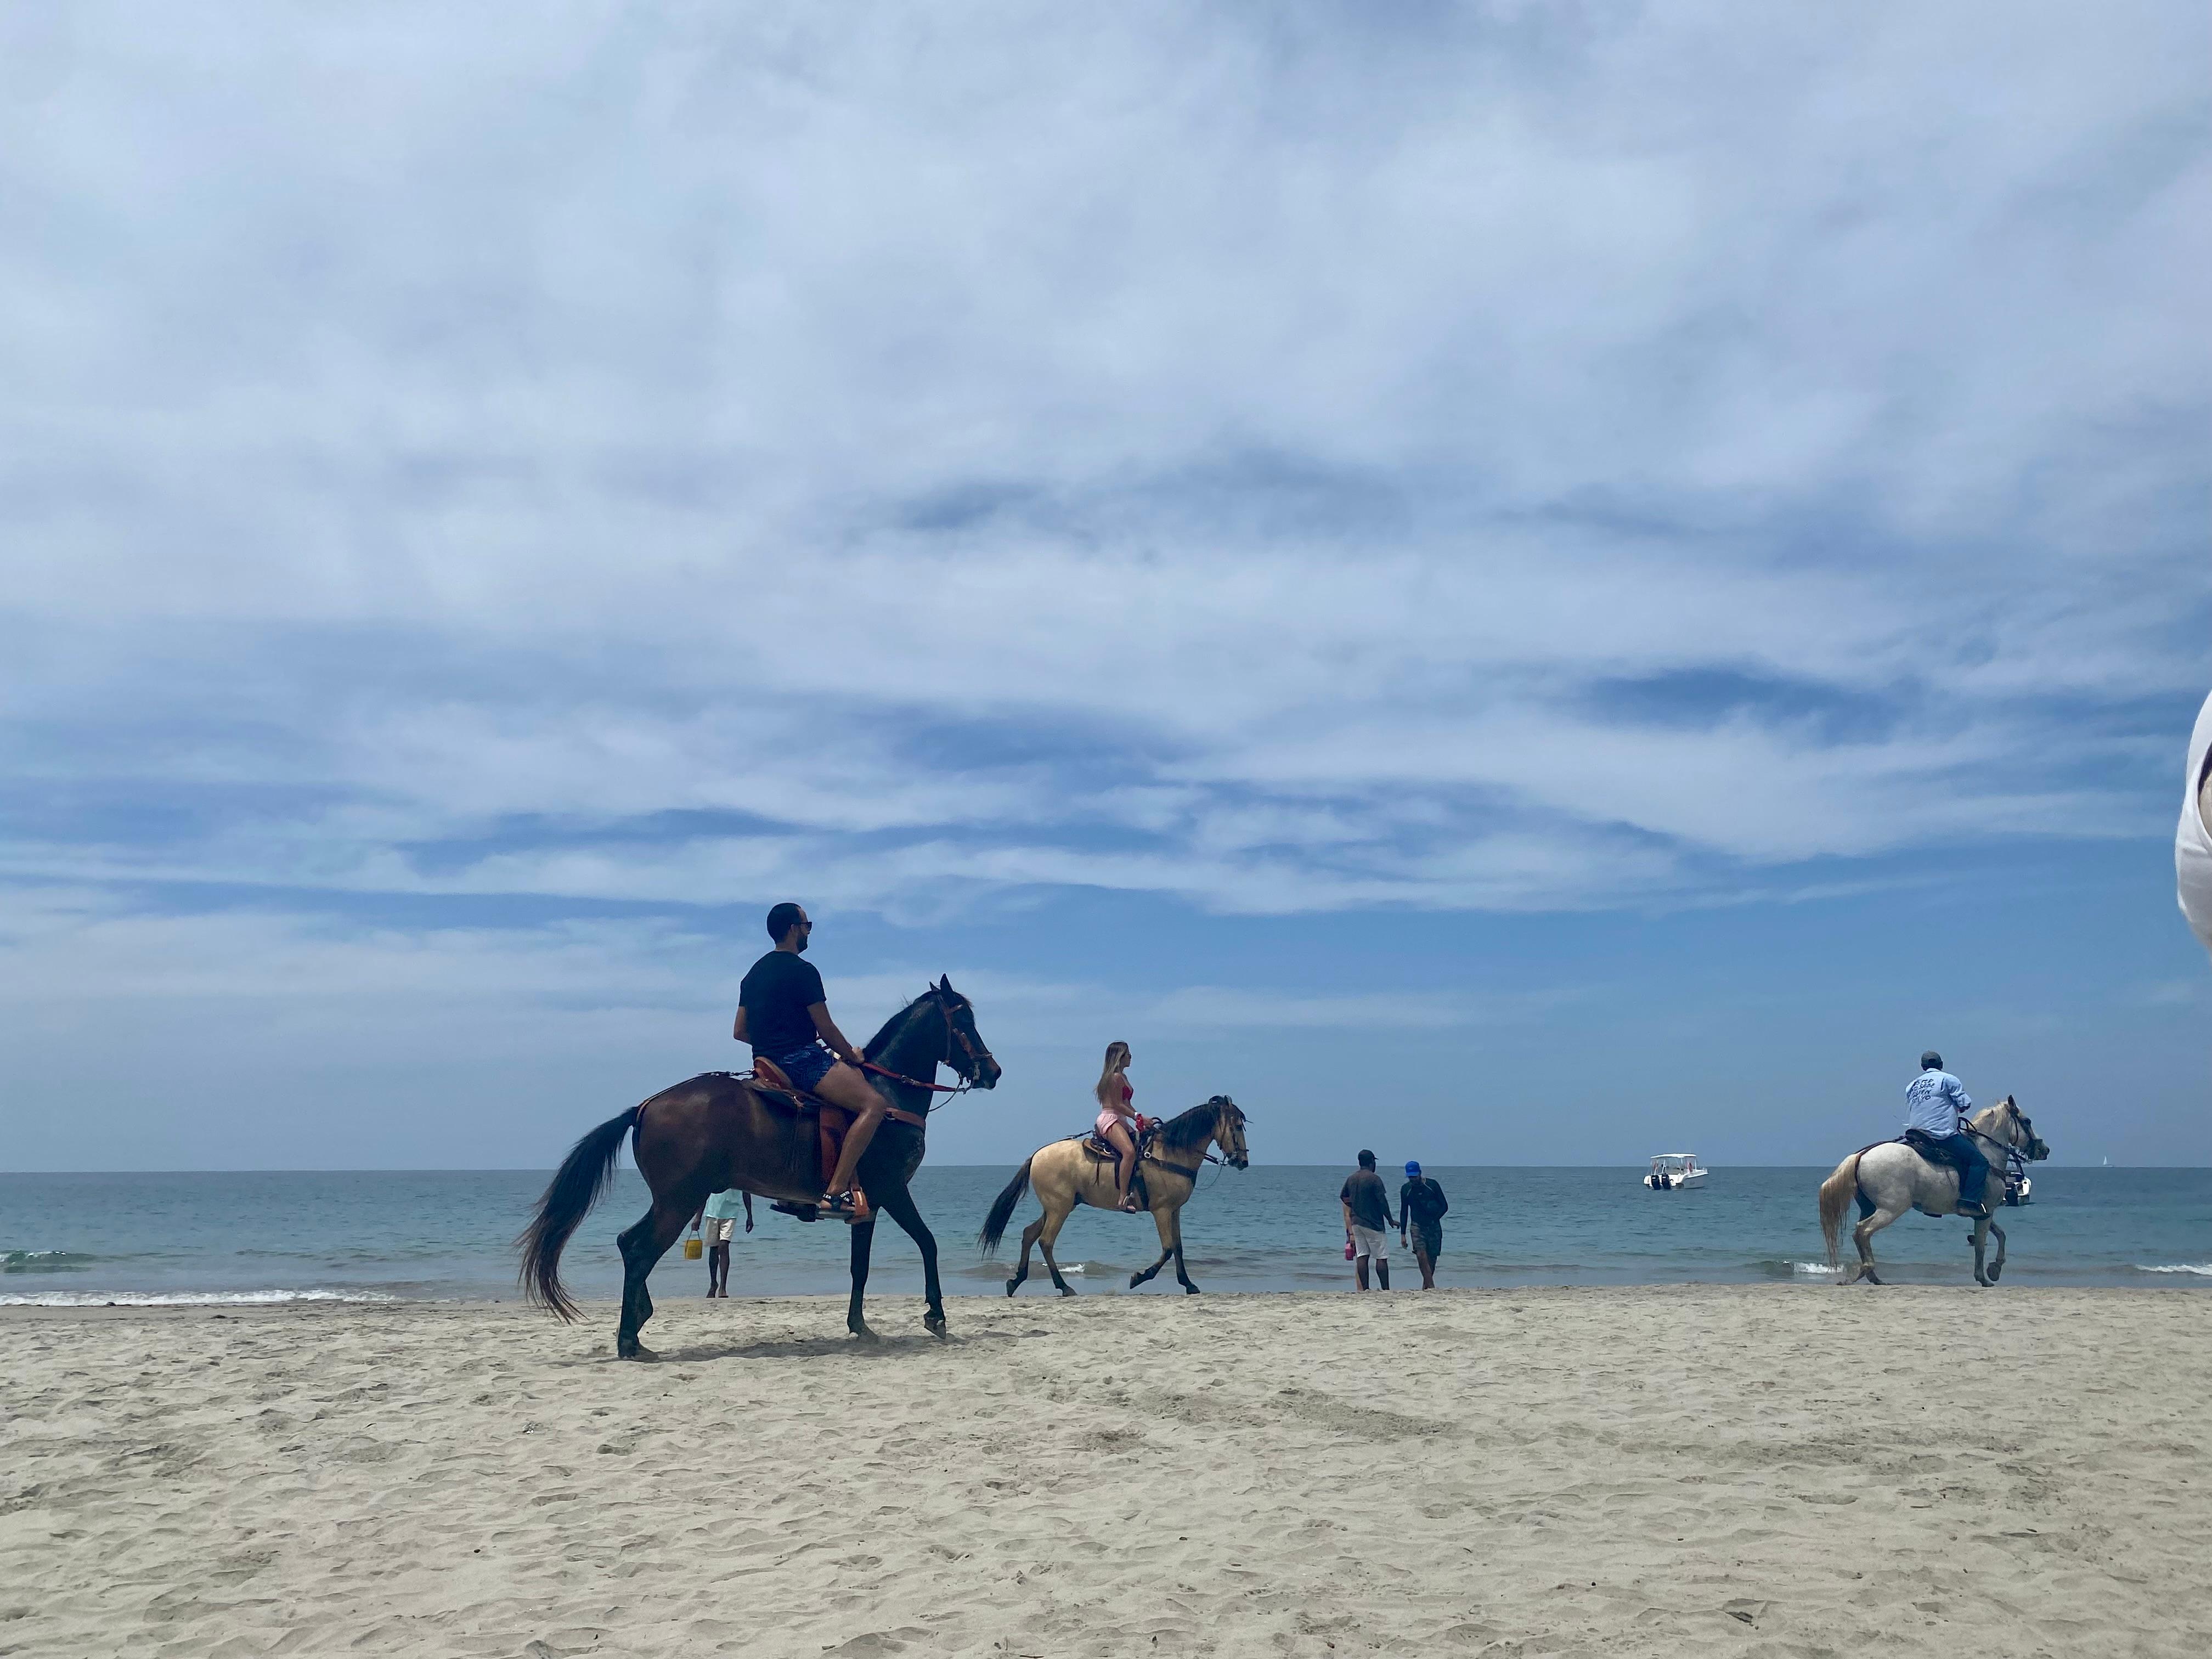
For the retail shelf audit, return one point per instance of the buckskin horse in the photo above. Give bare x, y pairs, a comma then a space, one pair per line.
1073, 1171
720, 1130
1889, 1178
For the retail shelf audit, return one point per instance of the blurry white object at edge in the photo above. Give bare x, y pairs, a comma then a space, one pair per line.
2192, 842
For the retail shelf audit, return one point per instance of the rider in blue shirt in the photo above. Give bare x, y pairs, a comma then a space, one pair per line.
1935, 1103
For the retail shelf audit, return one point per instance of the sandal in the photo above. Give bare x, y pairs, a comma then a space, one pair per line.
847, 1207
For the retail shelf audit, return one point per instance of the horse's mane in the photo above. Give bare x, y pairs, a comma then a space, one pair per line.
1188, 1129
1995, 1112
875, 1044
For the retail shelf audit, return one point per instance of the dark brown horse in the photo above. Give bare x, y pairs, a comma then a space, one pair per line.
716, 1131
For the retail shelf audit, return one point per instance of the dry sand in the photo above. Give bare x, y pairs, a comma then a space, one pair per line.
1651, 1471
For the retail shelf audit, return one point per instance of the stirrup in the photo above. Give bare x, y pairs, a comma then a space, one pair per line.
851, 1207
803, 1212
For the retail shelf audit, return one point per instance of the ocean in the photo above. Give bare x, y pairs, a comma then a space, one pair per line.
377, 1235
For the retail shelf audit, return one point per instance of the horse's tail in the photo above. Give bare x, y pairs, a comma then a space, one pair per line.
1836, 1194
1002, 1209
569, 1198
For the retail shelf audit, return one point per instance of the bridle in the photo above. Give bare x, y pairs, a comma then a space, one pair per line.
953, 1034
1222, 1107
2015, 1157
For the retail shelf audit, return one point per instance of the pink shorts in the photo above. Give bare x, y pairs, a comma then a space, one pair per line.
1107, 1120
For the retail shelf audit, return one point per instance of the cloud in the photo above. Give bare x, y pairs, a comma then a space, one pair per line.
1494, 458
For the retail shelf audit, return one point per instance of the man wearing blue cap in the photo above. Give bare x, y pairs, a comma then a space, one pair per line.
1421, 1206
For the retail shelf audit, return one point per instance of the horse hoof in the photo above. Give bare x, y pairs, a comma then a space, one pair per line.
1066, 1290
858, 1327
1135, 1279
1190, 1290
636, 1352
934, 1324
1014, 1284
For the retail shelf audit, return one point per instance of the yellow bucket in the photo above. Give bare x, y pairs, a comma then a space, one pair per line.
693, 1250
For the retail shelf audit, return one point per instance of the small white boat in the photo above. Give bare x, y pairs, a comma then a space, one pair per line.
1671, 1172
2019, 1189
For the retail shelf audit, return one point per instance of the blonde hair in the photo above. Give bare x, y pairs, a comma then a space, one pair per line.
1117, 1058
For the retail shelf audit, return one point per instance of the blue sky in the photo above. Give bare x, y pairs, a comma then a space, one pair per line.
1510, 583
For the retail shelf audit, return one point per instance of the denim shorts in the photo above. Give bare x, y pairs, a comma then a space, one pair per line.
807, 1066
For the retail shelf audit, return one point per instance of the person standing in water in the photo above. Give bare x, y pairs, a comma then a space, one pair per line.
1421, 1206
719, 1213
1366, 1203
1117, 1121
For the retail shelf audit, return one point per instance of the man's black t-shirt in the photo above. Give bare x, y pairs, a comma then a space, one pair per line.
1368, 1199
778, 991
1423, 1201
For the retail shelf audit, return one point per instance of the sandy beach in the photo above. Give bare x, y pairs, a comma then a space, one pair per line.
1765, 1470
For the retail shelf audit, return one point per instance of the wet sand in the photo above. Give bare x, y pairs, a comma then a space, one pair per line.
1767, 1470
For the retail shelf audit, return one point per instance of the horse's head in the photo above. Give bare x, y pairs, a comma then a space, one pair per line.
964, 1050
2014, 1128
1228, 1132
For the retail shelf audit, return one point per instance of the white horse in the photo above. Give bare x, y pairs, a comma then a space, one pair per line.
1890, 1178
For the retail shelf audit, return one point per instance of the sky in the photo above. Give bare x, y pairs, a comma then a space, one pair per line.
1509, 583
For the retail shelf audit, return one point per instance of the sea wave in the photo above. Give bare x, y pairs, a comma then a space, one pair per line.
45, 1261
182, 1299
2201, 1269
1813, 1268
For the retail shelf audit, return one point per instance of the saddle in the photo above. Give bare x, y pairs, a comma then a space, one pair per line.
1097, 1145
777, 1090
1100, 1151
1930, 1148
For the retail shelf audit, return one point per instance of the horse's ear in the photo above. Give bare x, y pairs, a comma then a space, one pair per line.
944, 983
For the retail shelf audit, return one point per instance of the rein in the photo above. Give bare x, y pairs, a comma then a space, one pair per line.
1188, 1172
953, 1034
2014, 1155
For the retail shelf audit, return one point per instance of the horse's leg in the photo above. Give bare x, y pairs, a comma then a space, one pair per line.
1863, 1236
1052, 1223
1980, 1237
1181, 1273
643, 1243
864, 1239
1028, 1238
1163, 1219
1997, 1267
898, 1203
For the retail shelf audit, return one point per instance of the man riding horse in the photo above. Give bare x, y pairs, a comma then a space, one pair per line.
1935, 1103
784, 1013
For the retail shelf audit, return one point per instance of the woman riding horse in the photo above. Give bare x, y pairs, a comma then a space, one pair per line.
1068, 1173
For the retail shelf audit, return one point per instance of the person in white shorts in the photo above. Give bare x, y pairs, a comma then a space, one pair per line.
720, 1214
2192, 842
1367, 1221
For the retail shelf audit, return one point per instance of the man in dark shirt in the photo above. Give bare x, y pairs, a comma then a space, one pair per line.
1421, 1206
1366, 1203
784, 1013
